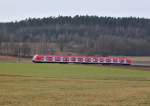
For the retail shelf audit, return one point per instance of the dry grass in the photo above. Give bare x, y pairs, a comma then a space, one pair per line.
58, 85
34, 91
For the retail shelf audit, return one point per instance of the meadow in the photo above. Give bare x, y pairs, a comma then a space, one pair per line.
27, 84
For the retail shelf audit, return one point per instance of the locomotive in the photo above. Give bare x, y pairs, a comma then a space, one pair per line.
82, 59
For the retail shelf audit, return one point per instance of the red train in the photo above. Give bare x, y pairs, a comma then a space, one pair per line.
81, 59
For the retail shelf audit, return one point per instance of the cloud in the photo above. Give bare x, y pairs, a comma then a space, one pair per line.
20, 9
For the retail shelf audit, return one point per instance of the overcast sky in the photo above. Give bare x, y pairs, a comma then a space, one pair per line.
12, 10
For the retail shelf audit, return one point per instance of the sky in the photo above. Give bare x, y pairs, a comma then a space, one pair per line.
15, 10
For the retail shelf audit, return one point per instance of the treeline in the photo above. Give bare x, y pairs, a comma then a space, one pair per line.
84, 35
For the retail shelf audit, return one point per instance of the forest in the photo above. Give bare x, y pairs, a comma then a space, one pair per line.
80, 35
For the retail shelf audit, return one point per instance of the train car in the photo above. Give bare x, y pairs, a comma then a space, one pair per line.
82, 60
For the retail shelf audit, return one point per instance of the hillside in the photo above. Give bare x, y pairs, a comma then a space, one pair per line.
84, 35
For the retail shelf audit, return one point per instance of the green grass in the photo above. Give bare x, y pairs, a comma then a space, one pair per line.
72, 85
73, 71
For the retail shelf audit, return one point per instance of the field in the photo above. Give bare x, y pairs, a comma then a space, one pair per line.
11, 59
141, 60
72, 85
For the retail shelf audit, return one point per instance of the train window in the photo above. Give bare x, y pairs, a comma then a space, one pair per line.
57, 58
121, 61
88, 59
80, 59
49, 58
108, 60
95, 59
66, 59
101, 60
73, 59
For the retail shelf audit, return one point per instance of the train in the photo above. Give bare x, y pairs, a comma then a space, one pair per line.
82, 59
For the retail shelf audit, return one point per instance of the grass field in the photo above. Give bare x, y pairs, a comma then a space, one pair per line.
72, 85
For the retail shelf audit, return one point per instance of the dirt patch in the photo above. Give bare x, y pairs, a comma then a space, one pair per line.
141, 60
8, 58
12, 59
